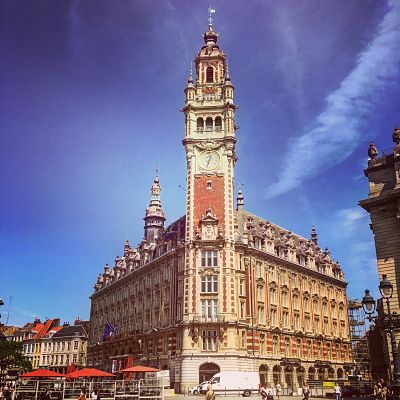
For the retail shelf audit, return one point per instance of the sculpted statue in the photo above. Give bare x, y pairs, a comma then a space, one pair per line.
372, 151
396, 139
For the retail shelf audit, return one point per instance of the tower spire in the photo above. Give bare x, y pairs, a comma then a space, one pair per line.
314, 236
154, 217
240, 200
210, 20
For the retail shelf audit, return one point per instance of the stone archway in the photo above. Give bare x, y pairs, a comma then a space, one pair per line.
207, 371
301, 375
311, 373
339, 373
321, 374
331, 373
263, 372
276, 374
289, 378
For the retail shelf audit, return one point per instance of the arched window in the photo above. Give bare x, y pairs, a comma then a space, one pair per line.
200, 124
210, 74
209, 123
218, 123
207, 371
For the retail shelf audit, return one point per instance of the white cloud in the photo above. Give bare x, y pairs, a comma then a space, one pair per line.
336, 131
347, 220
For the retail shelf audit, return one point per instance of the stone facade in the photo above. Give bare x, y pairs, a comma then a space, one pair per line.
65, 348
383, 206
220, 289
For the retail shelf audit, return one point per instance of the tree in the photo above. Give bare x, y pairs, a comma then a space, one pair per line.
11, 356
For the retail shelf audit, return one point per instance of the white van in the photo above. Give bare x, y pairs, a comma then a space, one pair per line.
240, 382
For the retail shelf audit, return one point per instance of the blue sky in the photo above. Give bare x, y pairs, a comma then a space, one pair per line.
90, 94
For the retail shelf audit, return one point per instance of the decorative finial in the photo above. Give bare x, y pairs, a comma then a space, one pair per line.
396, 135
314, 236
227, 75
190, 80
372, 151
210, 20
240, 199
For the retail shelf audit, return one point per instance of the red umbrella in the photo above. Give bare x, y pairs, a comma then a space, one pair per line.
89, 372
139, 368
42, 373
129, 363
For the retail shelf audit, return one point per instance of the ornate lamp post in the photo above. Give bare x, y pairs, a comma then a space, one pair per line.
389, 321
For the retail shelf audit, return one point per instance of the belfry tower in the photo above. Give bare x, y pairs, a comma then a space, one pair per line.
210, 152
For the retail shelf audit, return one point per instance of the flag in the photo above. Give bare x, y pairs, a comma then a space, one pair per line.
109, 331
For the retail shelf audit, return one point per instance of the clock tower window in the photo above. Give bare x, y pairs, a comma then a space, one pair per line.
200, 124
218, 123
210, 75
209, 123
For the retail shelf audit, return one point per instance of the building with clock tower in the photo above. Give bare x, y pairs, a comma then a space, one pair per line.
220, 289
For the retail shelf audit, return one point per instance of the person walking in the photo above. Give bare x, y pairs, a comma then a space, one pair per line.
278, 389
306, 391
264, 391
338, 391
210, 395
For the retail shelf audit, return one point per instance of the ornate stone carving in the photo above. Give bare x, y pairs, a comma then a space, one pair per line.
208, 145
396, 139
208, 227
372, 151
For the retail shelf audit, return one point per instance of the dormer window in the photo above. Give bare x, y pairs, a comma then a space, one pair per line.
210, 75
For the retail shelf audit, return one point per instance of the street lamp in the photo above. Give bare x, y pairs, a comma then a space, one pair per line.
388, 321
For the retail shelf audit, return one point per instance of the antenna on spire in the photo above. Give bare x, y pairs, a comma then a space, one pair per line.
210, 11
157, 169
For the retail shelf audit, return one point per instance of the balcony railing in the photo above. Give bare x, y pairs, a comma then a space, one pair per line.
212, 319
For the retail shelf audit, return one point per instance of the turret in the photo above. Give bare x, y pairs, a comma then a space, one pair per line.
314, 236
190, 89
154, 218
240, 200
228, 87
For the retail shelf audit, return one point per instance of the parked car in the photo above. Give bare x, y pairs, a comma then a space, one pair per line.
198, 389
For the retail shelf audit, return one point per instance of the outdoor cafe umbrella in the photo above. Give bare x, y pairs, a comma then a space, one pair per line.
42, 373
129, 363
89, 373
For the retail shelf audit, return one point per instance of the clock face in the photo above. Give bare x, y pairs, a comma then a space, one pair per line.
209, 160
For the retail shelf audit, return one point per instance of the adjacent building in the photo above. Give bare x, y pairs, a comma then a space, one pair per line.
65, 347
383, 206
220, 288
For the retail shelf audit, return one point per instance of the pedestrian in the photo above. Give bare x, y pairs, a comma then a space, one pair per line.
338, 391
7, 393
383, 389
94, 395
306, 391
82, 395
278, 389
270, 393
264, 392
210, 395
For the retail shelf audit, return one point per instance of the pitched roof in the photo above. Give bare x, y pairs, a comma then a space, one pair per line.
70, 331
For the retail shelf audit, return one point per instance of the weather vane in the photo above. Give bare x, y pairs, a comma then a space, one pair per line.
210, 11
